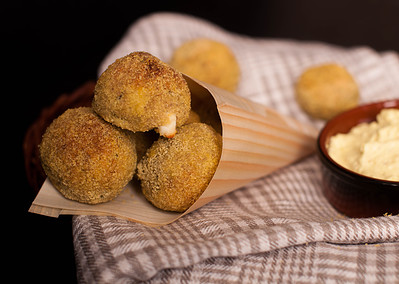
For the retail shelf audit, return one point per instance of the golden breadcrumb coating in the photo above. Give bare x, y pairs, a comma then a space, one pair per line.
174, 172
86, 158
143, 141
193, 117
139, 92
326, 90
209, 61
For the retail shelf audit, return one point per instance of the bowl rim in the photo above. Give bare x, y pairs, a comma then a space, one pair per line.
337, 168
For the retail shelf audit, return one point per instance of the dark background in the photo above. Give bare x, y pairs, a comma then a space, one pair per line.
52, 47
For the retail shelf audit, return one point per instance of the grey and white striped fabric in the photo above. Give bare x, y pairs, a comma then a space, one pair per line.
278, 229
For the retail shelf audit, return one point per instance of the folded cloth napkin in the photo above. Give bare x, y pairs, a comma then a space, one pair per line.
277, 229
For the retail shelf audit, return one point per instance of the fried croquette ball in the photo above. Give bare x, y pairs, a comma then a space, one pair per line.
209, 61
139, 92
174, 172
326, 90
193, 117
143, 141
86, 158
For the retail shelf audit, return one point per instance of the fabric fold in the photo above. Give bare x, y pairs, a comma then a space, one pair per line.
219, 230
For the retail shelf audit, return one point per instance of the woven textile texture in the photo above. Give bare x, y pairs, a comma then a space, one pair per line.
277, 229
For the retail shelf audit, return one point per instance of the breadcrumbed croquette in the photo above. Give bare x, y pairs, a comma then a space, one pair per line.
139, 92
193, 117
143, 141
209, 61
326, 90
86, 158
174, 172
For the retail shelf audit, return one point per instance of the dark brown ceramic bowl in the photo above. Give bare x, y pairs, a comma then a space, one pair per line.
353, 194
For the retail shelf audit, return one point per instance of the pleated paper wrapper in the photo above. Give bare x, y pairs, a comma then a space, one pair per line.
256, 141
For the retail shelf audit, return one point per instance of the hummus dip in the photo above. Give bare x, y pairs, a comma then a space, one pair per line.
370, 149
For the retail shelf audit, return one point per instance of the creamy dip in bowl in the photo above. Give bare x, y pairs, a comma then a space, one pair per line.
359, 174
370, 149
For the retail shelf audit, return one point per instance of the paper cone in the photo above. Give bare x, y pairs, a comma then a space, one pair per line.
256, 141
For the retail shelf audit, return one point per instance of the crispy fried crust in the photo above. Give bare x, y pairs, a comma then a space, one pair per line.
209, 61
143, 141
139, 92
174, 172
326, 90
193, 117
86, 158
